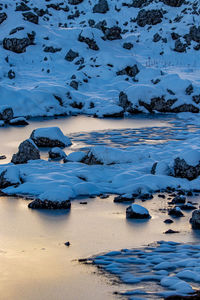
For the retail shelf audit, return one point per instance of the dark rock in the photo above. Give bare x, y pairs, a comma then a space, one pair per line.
58, 6
16, 30
71, 55
145, 196
183, 170
104, 196
112, 33
128, 46
83, 202
90, 42
74, 84
52, 49
195, 33
156, 37
124, 102
195, 220
27, 151
175, 36
188, 206
46, 204
56, 153
124, 198
149, 17
31, 17
18, 45
22, 7
139, 3
11, 74
3, 17
90, 159
179, 46
101, 7
75, 2
131, 71
67, 244
179, 200
175, 212
171, 231
136, 211
168, 221
2, 156
19, 121
173, 3
189, 90
161, 196
6, 113
196, 99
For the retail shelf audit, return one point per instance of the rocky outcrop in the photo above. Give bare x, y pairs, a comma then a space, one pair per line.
27, 151
195, 220
101, 7
18, 45
131, 71
6, 113
136, 211
46, 204
71, 55
112, 33
90, 42
183, 170
149, 17
31, 17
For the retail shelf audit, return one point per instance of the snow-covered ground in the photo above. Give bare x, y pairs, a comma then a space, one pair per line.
45, 83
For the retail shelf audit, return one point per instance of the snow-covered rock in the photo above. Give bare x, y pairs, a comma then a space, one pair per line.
10, 177
136, 211
50, 137
27, 151
56, 153
18, 121
78, 156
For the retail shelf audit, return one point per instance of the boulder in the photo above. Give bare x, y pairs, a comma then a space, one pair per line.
50, 137
90, 42
19, 121
175, 212
71, 55
195, 220
22, 7
179, 46
173, 3
75, 2
136, 211
128, 46
112, 33
124, 198
149, 17
6, 113
184, 168
101, 7
131, 71
10, 176
195, 33
78, 156
56, 153
31, 17
18, 45
47, 204
27, 151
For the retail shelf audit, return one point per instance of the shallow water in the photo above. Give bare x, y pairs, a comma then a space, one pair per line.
32, 250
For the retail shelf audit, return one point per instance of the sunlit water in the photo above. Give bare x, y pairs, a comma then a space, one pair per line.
35, 263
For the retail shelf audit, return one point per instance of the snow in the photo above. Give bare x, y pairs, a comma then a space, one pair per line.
42, 79
177, 280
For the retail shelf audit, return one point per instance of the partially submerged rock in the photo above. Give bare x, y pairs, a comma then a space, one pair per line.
175, 212
124, 198
47, 204
10, 176
136, 211
50, 137
19, 121
6, 113
56, 153
27, 151
195, 220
